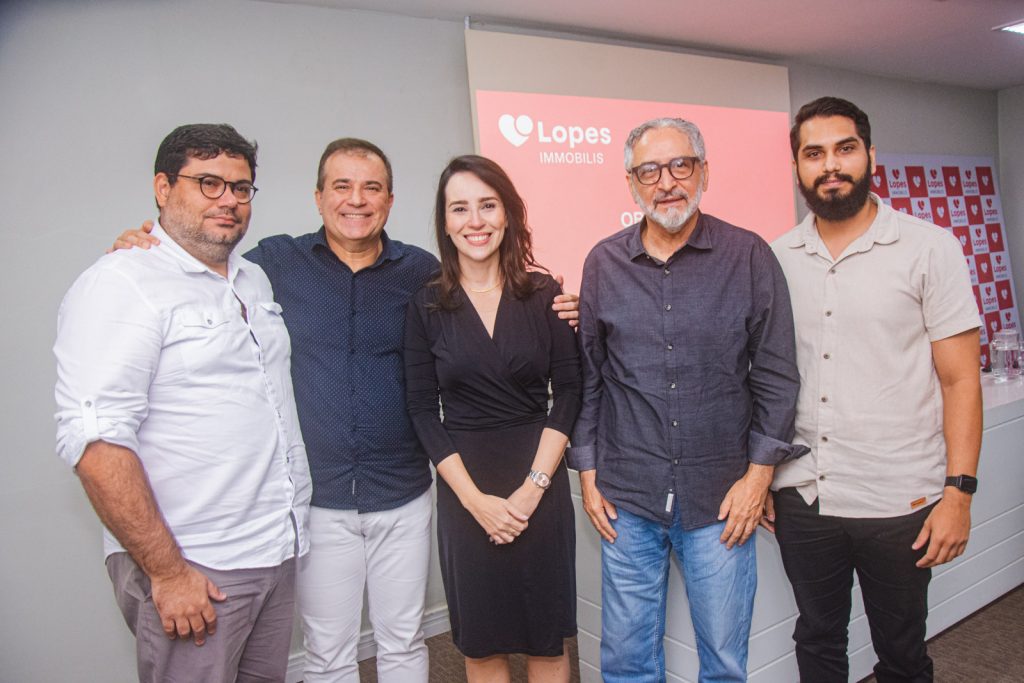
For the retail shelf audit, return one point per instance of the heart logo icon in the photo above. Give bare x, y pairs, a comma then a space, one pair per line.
999, 259
877, 181
984, 267
1005, 293
935, 174
942, 211
920, 204
515, 129
1006, 314
974, 209
995, 237
956, 203
968, 175
994, 325
895, 173
984, 180
917, 181
989, 203
952, 180
963, 240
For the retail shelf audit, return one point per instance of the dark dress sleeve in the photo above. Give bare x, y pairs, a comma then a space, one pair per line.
564, 365
421, 387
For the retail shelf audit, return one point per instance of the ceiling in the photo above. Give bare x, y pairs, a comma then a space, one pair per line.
937, 41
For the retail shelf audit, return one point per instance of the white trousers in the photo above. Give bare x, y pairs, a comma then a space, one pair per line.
388, 553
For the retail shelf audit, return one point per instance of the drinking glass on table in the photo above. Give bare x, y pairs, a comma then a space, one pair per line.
1005, 352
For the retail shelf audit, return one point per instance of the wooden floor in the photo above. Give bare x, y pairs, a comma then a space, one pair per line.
986, 647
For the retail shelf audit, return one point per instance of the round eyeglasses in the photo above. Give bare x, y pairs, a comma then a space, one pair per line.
213, 187
680, 168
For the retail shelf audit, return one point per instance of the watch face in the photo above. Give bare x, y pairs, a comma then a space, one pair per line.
540, 479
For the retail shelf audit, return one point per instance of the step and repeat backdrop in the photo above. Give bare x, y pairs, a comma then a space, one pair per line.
961, 195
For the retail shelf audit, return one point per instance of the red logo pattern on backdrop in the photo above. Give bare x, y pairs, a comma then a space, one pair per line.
960, 196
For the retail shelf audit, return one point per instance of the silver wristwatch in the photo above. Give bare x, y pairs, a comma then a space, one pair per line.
541, 480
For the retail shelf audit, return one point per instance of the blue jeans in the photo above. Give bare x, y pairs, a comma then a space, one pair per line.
720, 587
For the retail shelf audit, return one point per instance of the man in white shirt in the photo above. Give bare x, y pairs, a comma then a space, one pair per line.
175, 408
890, 405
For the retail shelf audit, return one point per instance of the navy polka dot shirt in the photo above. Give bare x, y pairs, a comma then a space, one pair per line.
347, 332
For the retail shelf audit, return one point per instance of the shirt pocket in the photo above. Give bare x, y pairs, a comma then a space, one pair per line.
205, 337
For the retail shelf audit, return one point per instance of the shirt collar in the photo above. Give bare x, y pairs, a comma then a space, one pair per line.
884, 229
699, 239
188, 262
390, 250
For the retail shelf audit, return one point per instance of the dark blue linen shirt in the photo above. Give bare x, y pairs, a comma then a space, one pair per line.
689, 370
347, 331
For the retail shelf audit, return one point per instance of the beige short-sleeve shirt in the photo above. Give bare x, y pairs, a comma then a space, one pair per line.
870, 404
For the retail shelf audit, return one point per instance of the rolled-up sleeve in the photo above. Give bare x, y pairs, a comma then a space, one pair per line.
773, 379
582, 454
108, 346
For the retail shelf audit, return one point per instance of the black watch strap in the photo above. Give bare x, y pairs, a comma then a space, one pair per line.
964, 482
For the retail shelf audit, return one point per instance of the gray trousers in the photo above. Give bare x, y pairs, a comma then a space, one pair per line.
254, 626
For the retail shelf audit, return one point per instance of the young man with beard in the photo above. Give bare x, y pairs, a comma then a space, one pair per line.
689, 394
890, 405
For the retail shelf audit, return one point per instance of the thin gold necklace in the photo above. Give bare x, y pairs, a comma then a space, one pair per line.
483, 291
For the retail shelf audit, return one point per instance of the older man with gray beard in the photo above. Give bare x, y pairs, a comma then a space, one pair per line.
690, 387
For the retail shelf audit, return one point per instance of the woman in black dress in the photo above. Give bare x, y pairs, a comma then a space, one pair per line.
483, 337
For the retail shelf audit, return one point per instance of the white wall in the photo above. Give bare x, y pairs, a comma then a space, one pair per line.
89, 90
1011, 178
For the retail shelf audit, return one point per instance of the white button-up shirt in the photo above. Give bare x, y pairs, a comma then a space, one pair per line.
154, 354
870, 404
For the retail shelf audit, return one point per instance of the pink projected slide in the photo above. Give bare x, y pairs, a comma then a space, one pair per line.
565, 156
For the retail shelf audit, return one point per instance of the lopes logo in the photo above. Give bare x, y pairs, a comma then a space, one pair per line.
517, 130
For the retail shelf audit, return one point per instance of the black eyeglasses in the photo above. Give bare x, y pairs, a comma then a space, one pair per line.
213, 187
680, 168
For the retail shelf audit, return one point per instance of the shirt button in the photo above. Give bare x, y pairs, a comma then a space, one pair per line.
669, 347
826, 356
824, 399
88, 404
675, 423
209, 321
676, 461
668, 307
831, 271
824, 439
667, 271
828, 314
672, 385
821, 477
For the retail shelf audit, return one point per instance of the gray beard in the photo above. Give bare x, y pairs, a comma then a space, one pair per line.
672, 220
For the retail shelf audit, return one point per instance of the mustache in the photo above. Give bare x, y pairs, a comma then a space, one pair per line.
218, 213
831, 176
674, 193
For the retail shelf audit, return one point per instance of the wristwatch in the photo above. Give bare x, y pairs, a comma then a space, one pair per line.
541, 480
964, 482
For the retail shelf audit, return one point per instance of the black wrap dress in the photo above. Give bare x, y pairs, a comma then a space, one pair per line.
518, 597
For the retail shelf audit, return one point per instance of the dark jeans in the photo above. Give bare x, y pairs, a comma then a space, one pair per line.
820, 554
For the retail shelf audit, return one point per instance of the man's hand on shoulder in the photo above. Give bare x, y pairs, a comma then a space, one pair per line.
182, 600
946, 530
567, 305
138, 237
744, 504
